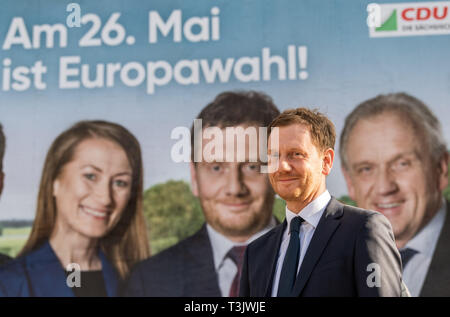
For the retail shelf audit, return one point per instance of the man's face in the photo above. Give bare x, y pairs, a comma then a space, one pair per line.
236, 198
302, 167
390, 170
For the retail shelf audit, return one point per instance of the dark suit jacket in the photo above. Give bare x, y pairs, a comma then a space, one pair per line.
40, 274
437, 281
345, 242
185, 269
4, 258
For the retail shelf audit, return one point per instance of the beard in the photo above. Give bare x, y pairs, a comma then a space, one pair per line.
243, 224
296, 191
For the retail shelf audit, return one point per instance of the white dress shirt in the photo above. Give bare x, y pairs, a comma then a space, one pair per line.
311, 214
225, 268
415, 272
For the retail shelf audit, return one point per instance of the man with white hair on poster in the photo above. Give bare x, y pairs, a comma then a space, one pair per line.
395, 161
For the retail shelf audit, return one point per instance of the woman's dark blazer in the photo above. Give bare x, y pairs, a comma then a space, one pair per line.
39, 273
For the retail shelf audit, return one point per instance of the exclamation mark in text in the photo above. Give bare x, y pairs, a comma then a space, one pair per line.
303, 60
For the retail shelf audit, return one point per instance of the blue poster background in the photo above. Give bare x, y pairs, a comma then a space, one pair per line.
344, 65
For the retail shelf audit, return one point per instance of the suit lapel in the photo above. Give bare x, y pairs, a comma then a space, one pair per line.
45, 274
109, 276
327, 225
199, 272
437, 281
273, 245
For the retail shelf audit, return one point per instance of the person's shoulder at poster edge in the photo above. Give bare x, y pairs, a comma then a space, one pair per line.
3, 257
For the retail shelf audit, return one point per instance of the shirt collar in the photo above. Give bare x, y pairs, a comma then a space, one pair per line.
425, 241
312, 212
221, 244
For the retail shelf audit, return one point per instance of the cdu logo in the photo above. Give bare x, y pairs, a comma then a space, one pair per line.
408, 19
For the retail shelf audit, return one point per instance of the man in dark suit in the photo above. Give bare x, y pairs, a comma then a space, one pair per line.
236, 200
323, 248
3, 258
395, 161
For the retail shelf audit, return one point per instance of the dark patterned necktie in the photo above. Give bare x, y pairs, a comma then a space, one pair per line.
236, 254
406, 254
290, 263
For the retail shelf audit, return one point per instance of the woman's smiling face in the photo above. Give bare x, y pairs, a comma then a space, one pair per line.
93, 189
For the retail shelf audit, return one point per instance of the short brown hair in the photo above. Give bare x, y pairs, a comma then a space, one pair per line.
234, 108
321, 128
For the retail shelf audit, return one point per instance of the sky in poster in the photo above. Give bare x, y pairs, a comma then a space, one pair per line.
344, 66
